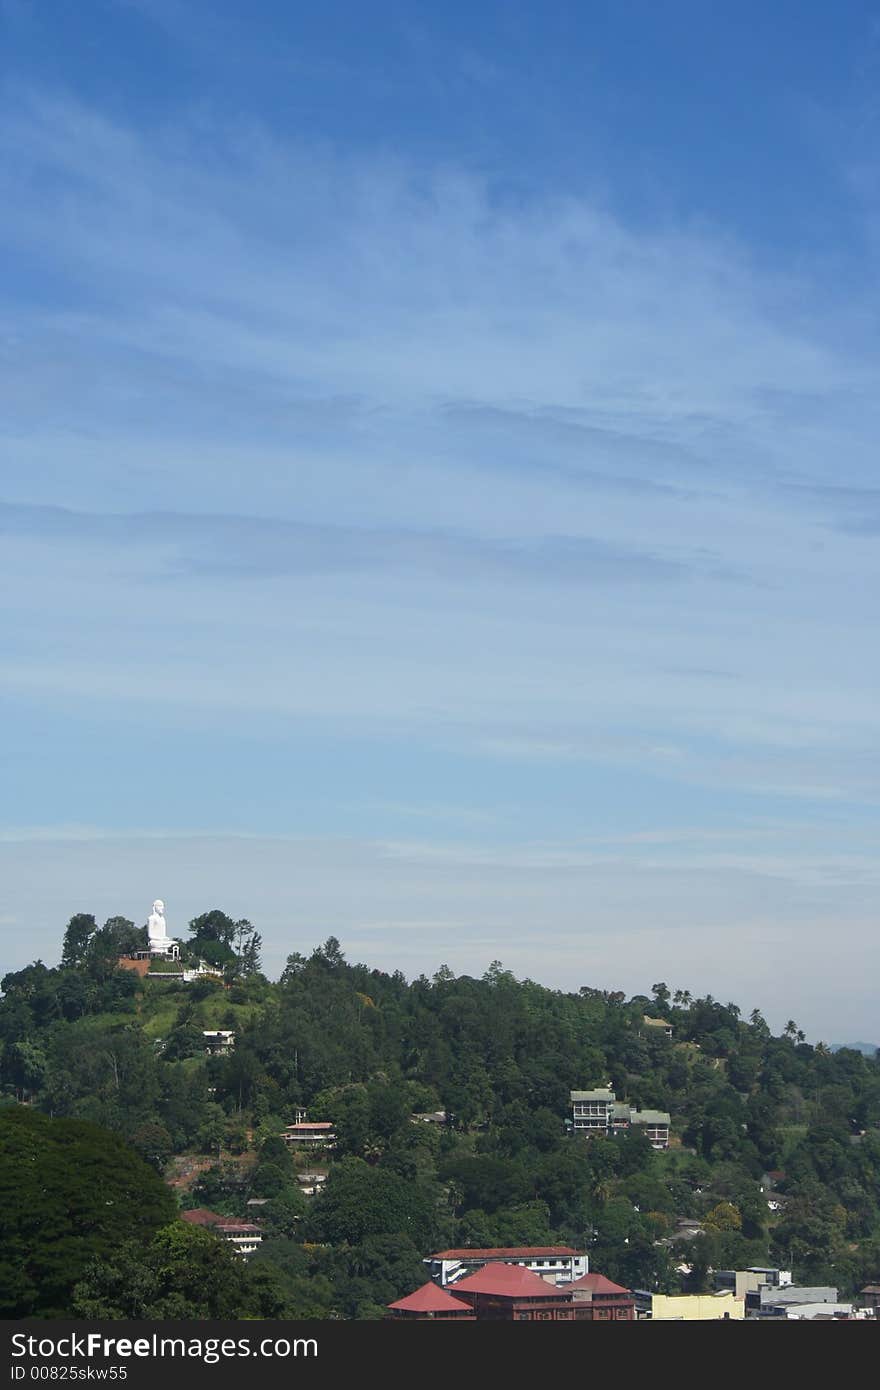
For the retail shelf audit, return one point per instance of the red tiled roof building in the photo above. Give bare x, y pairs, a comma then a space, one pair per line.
244, 1236
509, 1293
431, 1302
200, 1216
597, 1299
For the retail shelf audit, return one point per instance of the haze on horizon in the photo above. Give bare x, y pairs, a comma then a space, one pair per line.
439, 495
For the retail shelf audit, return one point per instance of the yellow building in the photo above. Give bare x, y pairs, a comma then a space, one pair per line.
696, 1307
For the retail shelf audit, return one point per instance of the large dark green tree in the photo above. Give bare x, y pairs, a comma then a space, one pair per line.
69, 1192
184, 1272
359, 1202
231, 945
79, 932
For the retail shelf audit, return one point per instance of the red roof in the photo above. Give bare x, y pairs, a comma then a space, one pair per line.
309, 1124
508, 1281
200, 1216
521, 1252
430, 1299
597, 1283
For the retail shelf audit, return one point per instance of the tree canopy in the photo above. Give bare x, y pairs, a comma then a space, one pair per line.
69, 1192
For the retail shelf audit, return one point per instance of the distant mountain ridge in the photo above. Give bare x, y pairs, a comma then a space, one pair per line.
867, 1048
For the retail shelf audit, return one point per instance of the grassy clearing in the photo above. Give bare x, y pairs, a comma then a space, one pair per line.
160, 1023
160, 1011
104, 1023
216, 1008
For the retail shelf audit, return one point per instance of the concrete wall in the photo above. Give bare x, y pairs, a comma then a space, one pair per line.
696, 1307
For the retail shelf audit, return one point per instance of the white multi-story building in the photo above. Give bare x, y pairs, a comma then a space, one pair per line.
600, 1112
592, 1112
243, 1236
558, 1264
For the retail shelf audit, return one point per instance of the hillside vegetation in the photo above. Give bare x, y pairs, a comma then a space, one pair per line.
90, 1042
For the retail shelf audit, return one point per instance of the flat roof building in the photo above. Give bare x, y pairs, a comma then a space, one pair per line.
771, 1302
311, 1134
696, 1307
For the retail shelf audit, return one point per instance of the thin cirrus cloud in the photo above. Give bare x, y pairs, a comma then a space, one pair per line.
852, 509
176, 544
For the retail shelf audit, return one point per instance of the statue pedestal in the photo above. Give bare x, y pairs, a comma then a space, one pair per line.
166, 950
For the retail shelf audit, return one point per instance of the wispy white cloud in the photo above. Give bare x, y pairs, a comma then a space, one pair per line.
174, 544
345, 442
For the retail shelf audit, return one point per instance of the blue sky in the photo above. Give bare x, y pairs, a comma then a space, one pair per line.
439, 493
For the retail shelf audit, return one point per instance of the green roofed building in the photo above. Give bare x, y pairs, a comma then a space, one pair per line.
655, 1124
600, 1112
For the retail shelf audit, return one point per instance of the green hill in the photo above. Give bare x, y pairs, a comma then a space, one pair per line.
369, 1051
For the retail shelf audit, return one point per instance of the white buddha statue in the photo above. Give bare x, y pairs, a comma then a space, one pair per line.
157, 930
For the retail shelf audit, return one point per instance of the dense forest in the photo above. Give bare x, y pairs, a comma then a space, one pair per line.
95, 1060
